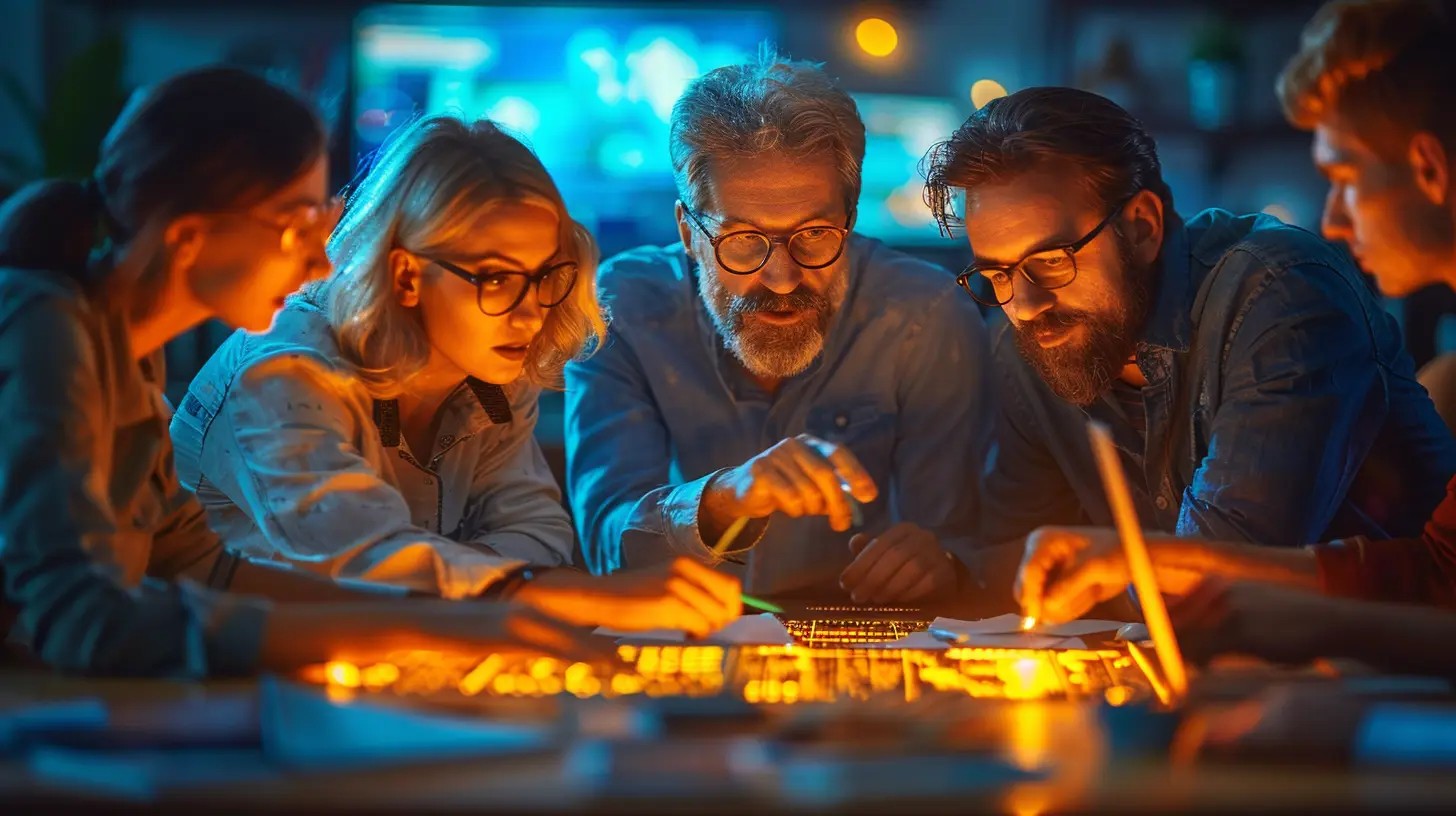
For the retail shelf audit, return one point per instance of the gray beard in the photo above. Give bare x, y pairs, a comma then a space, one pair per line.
771, 352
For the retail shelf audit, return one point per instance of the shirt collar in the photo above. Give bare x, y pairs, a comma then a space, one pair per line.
1170, 322
492, 407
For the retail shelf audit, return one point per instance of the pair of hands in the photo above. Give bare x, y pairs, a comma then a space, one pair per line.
807, 476
1067, 571
557, 613
802, 476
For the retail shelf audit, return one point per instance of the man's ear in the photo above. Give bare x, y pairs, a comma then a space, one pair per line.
1143, 224
684, 227
1430, 168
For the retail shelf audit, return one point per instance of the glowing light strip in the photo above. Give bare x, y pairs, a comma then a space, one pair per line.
1139, 563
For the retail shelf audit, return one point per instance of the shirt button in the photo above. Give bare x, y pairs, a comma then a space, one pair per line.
841, 421
446, 441
1161, 502
429, 481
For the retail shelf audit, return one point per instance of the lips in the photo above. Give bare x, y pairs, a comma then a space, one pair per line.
1052, 337
515, 353
780, 318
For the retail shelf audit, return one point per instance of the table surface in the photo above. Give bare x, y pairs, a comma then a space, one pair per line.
1063, 735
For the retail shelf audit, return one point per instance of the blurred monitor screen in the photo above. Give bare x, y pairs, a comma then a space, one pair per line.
898, 132
591, 90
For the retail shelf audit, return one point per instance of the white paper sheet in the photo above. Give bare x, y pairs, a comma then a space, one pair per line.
1018, 640
1011, 625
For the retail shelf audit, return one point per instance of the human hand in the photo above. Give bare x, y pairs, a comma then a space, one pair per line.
1262, 620
904, 563
375, 630
680, 594
1068, 570
802, 476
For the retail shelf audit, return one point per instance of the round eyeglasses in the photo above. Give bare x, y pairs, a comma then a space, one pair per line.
744, 252
499, 293
301, 224
1053, 268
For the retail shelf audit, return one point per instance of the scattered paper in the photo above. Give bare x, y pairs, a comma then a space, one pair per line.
750, 630
1018, 640
1011, 625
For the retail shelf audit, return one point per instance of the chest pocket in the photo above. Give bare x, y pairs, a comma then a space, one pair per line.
866, 430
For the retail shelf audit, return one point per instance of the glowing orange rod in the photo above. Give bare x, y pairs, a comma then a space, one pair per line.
1139, 563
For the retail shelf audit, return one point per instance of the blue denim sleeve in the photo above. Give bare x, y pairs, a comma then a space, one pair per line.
944, 427
1302, 402
618, 464
1024, 486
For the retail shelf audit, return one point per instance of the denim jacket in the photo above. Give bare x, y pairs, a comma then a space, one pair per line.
94, 527
295, 462
1281, 408
663, 407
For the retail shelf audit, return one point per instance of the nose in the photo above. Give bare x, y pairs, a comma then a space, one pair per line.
316, 264
529, 314
1335, 221
1028, 301
781, 275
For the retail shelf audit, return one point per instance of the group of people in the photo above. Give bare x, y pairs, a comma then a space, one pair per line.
773, 403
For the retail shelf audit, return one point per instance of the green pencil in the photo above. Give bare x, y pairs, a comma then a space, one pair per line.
756, 603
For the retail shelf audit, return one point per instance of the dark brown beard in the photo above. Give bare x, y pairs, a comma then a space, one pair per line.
1080, 373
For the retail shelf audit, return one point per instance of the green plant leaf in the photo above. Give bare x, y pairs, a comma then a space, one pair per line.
84, 100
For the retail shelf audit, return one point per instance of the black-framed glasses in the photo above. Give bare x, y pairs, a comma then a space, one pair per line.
1046, 269
499, 293
744, 252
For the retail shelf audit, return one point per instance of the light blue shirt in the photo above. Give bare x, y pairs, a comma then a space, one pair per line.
663, 407
297, 464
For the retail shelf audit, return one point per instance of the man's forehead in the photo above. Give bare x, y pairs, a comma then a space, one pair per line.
776, 189
1005, 221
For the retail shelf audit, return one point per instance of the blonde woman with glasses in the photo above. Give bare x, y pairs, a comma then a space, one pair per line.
382, 432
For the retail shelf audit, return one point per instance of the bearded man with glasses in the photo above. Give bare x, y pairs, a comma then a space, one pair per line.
779, 397
1257, 390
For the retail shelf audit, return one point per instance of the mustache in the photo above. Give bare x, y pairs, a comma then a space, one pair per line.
1055, 319
762, 299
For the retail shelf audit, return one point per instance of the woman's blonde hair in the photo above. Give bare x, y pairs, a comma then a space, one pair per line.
429, 185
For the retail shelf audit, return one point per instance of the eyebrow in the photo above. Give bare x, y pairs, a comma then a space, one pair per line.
1054, 242
481, 260
726, 220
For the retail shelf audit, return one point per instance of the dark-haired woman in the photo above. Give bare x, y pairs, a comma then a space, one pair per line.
209, 201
